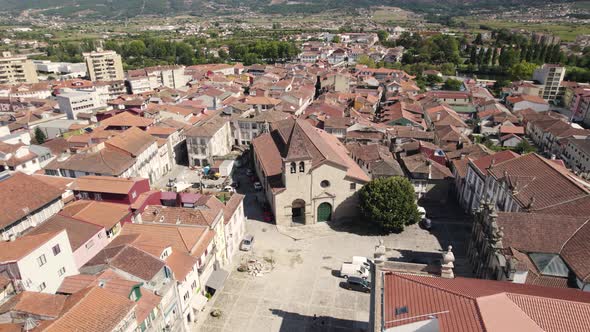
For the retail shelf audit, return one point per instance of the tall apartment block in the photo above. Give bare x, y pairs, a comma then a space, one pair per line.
104, 65
17, 69
551, 77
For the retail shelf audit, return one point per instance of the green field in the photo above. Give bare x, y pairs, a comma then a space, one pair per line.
566, 31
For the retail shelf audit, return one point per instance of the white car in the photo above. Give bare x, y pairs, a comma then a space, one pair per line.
257, 186
247, 243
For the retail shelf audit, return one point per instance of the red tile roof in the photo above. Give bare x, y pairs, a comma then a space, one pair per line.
480, 305
23, 194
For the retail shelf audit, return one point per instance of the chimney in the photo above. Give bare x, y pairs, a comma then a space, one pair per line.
437, 116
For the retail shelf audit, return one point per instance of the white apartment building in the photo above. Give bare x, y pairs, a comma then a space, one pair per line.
104, 65
551, 77
577, 155
26, 202
16, 69
207, 140
73, 102
40, 262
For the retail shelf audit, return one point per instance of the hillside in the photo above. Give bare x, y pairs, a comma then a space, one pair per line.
130, 8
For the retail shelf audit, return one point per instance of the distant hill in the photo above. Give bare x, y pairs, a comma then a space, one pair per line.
131, 8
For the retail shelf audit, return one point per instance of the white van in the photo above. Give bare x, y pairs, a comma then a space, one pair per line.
360, 260
356, 270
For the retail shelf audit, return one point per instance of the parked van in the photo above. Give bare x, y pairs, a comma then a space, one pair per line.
355, 270
360, 260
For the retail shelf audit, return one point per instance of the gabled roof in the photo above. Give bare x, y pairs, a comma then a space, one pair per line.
132, 141
92, 310
105, 184
79, 232
12, 251
126, 119
34, 303
23, 194
99, 213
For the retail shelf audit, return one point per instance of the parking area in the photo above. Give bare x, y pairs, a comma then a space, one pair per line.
303, 292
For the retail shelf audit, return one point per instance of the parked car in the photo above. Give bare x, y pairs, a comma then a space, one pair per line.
229, 189
235, 184
247, 243
257, 186
364, 261
357, 284
249, 172
353, 270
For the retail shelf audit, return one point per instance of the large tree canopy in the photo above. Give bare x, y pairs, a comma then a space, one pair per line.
390, 203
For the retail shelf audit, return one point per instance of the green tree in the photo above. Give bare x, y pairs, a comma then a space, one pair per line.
452, 84
40, 136
367, 61
383, 35
522, 71
524, 147
478, 39
389, 203
336, 39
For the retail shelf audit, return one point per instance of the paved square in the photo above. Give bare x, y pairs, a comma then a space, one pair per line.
303, 292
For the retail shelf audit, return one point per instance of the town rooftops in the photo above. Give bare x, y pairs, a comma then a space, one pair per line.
106, 161
105, 184
24, 194
472, 305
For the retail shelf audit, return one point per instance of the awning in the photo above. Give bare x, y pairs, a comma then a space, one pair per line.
217, 279
198, 302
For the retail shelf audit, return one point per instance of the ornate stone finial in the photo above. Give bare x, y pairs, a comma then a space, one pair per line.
447, 265
449, 257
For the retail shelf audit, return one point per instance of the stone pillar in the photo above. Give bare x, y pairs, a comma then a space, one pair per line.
447, 266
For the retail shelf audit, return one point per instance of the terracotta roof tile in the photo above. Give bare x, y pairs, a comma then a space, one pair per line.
106, 184
98, 213
79, 232
107, 309
41, 304
12, 251
23, 194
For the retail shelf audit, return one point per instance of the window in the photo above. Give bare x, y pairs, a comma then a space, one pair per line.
84, 195
56, 249
186, 296
61, 271
293, 168
41, 287
325, 184
301, 166
97, 197
41, 260
89, 244
194, 284
353, 186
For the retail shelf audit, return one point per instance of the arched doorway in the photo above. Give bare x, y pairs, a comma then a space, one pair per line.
324, 212
298, 211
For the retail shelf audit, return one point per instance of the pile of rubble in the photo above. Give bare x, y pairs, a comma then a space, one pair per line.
256, 267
